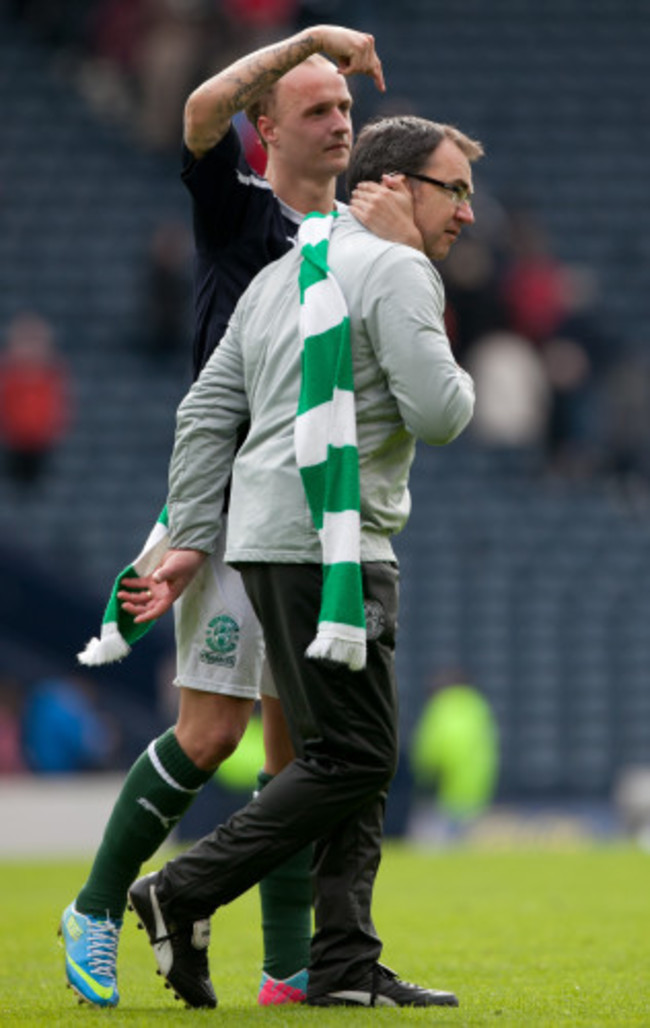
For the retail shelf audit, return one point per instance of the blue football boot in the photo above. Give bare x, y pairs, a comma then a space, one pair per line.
91, 956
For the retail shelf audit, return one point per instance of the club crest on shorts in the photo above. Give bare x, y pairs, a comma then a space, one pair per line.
221, 641
375, 618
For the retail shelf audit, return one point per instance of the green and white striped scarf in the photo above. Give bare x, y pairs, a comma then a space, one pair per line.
119, 630
327, 456
325, 437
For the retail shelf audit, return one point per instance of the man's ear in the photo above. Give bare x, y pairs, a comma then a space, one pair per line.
267, 128
396, 181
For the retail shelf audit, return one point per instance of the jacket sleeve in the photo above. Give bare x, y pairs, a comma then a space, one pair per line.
207, 422
403, 308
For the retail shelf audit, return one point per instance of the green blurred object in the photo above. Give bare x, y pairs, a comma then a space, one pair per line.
455, 751
239, 772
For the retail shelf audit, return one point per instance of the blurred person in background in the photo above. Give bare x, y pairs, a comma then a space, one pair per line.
534, 284
34, 398
300, 105
474, 308
551, 305
64, 730
166, 291
514, 395
455, 754
12, 695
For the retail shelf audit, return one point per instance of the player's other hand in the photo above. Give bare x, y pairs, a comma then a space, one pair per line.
151, 596
354, 52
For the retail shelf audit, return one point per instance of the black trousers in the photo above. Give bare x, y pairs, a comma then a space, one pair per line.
344, 729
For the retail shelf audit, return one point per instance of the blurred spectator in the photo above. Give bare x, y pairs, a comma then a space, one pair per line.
568, 367
170, 61
513, 395
63, 728
474, 306
627, 429
632, 802
11, 699
165, 321
256, 23
142, 57
455, 751
34, 397
534, 286
580, 359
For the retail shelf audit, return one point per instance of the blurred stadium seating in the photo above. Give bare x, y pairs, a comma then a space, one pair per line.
535, 585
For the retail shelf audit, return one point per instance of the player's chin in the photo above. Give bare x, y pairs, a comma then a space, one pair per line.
338, 158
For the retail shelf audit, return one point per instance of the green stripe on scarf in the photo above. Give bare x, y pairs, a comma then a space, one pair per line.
326, 363
343, 595
333, 483
119, 630
326, 448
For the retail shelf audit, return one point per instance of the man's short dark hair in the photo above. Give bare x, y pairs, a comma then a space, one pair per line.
402, 143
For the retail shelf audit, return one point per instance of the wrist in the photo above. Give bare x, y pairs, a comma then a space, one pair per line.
313, 37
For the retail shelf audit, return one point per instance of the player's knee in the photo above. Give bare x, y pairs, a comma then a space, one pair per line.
208, 745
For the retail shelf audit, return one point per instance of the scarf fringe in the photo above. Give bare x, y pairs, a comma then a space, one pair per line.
119, 631
341, 651
106, 649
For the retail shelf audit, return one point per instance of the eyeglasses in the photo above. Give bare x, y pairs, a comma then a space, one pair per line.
460, 193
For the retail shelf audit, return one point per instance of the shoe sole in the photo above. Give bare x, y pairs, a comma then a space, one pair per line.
380, 1001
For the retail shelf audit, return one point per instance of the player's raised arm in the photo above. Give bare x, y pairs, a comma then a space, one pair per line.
211, 106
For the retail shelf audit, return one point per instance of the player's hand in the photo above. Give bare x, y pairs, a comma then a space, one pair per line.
151, 596
354, 52
386, 208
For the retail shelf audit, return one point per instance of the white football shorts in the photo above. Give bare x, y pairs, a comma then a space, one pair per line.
219, 641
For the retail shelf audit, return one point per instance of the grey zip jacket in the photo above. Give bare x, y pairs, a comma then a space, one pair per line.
407, 387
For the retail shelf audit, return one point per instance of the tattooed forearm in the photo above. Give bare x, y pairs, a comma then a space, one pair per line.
212, 105
255, 74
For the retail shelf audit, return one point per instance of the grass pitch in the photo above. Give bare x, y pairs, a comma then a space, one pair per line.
552, 938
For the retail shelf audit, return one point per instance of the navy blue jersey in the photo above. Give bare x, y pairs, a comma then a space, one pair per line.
240, 226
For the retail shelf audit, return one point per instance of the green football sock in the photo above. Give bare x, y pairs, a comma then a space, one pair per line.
158, 790
286, 899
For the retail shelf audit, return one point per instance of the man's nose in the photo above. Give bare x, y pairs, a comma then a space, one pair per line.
341, 122
465, 213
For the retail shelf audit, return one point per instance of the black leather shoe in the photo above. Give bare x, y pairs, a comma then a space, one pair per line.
181, 950
383, 988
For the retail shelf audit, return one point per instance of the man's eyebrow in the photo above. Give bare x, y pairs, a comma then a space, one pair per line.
347, 102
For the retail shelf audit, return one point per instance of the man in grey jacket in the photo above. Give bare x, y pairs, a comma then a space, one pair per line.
343, 722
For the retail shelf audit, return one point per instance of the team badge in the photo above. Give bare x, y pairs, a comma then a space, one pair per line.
221, 641
375, 618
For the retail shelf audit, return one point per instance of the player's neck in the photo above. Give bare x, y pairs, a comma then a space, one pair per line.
303, 195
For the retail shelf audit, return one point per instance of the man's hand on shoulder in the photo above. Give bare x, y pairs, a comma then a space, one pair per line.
386, 208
